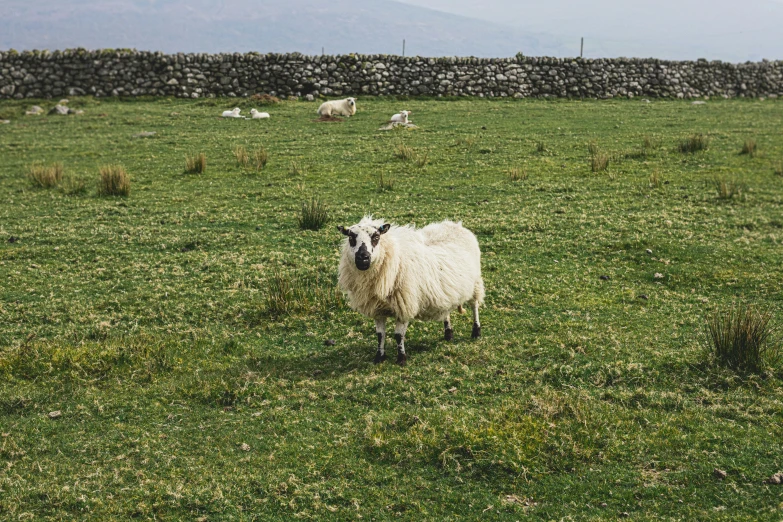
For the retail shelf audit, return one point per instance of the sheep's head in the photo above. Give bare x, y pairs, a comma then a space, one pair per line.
363, 240
351, 101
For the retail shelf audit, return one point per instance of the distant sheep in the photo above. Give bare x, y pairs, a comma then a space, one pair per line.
234, 113
401, 117
258, 115
408, 273
346, 107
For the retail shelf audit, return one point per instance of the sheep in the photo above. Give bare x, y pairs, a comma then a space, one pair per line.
408, 273
234, 113
402, 117
256, 115
346, 107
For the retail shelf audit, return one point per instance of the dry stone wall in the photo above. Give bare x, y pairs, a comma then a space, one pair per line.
135, 73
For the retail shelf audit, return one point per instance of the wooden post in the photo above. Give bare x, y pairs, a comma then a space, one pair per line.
582, 48
403, 46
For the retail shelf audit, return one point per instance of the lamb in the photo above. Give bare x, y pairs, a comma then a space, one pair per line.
256, 115
234, 113
402, 117
408, 273
346, 107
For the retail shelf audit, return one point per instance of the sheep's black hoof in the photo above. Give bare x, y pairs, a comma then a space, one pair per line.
476, 331
449, 334
402, 359
379, 357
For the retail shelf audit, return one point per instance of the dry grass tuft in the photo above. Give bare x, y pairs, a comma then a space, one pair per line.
114, 181
694, 143
749, 147
45, 176
265, 99
260, 158
541, 147
404, 152
385, 185
729, 188
517, 174
196, 164
297, 169
778, 169
314, 215
592, 147
240, 153
741, 338
599, 162
289, 293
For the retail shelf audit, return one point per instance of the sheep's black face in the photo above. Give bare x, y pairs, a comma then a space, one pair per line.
363, 242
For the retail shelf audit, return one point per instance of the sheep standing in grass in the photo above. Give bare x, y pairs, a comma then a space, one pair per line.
401, 117
258, 115
233, 113
408, 273
346, 107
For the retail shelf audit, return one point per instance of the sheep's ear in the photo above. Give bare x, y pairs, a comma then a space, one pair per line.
384, 228
343, 230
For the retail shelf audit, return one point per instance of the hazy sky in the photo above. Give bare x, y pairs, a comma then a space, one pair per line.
682, 29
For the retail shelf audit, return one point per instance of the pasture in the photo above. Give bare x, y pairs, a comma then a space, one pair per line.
168, 355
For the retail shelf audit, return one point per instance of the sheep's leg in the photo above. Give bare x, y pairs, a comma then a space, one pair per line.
449, 332
399, 336
380, 331
476, 325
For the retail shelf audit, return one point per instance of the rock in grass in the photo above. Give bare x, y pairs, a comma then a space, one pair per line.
777, 478
60, 110
644, 296
604, 277
719, 474
144, 134
35, 110
329, 342
55, 414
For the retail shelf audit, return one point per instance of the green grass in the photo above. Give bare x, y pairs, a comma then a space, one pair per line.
148, 321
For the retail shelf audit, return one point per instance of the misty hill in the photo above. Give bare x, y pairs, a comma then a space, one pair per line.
340, 26
672, 29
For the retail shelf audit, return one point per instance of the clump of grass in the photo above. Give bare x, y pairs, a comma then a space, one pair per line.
289, 293
297, 169
729, 188
599, 162
265, 99
314, 215
592, 147
650, 144
541, 147
260, 158
241, 155
421, 159
404, 152
656, 181
114, 181
694, 143
778, 169
45, 176
385, 185
749, 147
517, 174
741, 338
196, 164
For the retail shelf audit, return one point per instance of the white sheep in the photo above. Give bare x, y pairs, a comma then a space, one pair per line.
256, 115
408, 273
401, 117
346, 107
234, 113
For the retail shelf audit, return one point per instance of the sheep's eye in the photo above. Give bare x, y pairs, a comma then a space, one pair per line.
352, 241
375, 238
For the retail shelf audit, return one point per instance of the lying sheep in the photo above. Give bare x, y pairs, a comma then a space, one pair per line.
408, 273
234, 113
346, 107
402, 117
256, 115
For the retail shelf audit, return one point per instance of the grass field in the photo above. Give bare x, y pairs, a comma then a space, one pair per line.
186, 391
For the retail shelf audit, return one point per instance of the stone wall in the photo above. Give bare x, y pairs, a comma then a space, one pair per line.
133, 73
